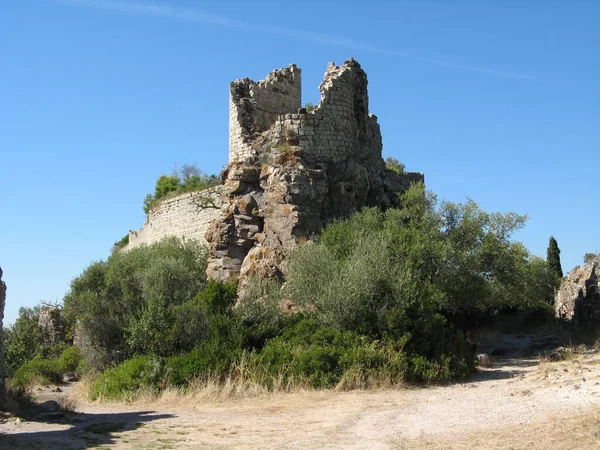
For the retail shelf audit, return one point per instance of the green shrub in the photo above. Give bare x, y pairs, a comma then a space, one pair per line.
47, 369
121, 243
38, 371
324, 356
261, 313
70, 360
24, 340
394, 165
212, 357
127, 305
124, 381
188, 179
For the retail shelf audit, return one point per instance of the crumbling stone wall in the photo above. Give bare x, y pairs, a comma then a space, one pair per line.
289, 175
254, 107
186, 216
2, 370
578, 299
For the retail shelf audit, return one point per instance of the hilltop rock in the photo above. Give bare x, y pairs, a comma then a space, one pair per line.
51, 322
578, 299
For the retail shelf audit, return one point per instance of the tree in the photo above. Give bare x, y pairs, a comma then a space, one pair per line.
553, 259
24, 340
126, 304
423, 258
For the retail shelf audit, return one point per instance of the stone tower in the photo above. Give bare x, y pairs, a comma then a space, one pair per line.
292, 171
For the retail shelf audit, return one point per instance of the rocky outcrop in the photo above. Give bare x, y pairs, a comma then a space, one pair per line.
292, 172
51, 323
2, 371
578, 299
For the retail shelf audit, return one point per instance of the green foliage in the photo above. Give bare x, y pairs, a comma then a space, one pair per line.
121, 243
436, 350
129, 303
70, 360
553, 259
325, 356
24, 340
394, 165
261, 313
309, 107
453, 258
211, 329
124, 381
46, 369
221, 342
38, 371
188, 179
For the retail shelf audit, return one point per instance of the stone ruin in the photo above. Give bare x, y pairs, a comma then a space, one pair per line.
578, 299
2, 371
292, 171
51, 323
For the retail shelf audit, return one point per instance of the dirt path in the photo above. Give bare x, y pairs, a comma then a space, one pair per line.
516, 403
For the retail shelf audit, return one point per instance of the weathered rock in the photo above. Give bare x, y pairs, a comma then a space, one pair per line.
49, 406
51, 322
2, 372
291, 172
578, 299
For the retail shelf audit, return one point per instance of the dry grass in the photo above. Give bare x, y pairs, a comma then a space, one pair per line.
580, 431
241, 382
67, 403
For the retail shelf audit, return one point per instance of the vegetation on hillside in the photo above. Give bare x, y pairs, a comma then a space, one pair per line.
379, 294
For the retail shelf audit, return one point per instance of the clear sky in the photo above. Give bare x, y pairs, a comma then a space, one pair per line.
494, 100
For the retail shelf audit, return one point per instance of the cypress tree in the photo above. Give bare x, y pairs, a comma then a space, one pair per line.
553, 258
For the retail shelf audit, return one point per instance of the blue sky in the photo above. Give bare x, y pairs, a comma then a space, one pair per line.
497, 101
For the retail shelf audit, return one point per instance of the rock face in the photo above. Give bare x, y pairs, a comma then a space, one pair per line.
578, 299
51, 322
2, 372
292, 171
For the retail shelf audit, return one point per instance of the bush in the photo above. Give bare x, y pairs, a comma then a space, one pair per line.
24, 340
121, 243
394, 165
38, 371
130, 303
124, 381
188, 179
222, 339
47, 369
70, 360
324, 356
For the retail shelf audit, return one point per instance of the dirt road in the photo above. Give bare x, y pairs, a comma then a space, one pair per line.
515, 403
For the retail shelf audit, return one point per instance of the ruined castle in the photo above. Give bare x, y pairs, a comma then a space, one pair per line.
291, 171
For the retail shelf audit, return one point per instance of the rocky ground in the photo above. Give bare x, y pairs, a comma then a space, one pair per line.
518, 401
